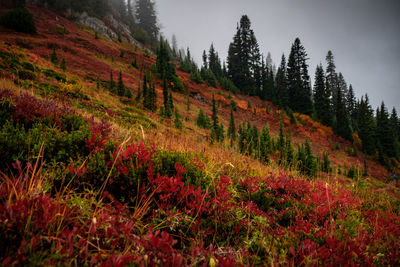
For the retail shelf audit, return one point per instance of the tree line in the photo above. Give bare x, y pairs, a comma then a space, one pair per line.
330, 100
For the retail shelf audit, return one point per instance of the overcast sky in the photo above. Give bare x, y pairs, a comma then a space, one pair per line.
364, 35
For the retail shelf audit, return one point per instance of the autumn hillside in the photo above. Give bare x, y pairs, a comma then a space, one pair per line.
93, 177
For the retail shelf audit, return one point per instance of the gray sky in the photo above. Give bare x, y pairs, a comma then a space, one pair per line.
364, 35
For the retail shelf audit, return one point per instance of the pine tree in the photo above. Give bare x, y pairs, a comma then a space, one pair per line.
343, 126
244, 58
232, 128
63, 65
170, 102
111, 84
178, 120
326, 162
147, 18
167, 107
203, 120
366, 126
384, 133
214, 119
121, 87
331, 76
214, 63
311, 163
394, 124
298, 80
351, 105
282, 85
289, 150
54, 58
265, 144
322, 98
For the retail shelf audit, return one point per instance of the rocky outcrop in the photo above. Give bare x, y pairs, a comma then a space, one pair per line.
109, 28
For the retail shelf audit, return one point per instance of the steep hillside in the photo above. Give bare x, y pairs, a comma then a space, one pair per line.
89, 177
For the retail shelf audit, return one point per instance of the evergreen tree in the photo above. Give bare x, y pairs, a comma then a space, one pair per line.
54, 58
384, 133
214, 63
366, 126
322, 98
343, 127
331, 76
281, 142
351, 105
298, 80
232, 128
121, 87
170, 101
203, 120
289, 150
147, 18
394, 124
63, 65
265, 144
326, 162
214, 119
167, 106
178, 120
282, 85
244, 57
111, 84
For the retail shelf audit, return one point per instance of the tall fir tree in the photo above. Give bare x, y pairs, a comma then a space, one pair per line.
147, 18
167, 106
299, 87
322, 101
282, 85
232, 128
343, 125
331, 75
366, 126
121, 87
244, 57
111, 87
384, 133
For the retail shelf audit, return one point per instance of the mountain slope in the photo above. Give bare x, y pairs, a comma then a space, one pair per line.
191, 213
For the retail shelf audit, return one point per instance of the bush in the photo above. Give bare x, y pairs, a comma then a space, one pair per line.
19, 19
203, 120
55, 75
228, 85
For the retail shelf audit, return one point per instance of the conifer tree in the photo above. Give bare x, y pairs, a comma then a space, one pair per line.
331, 76
384, 133
121, 87
170, 102
232, 128
289, 150
147, 18
244, 57
298, 80
281, 85
54, 58
111, 84
366, 126
322, 98
394, 123
167, 106
203, 120
265, 144
178, 120
214, 119
343, 126
63, 65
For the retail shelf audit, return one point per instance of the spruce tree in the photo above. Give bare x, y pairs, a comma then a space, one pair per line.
167, 107
322, 98
331, 76
147, 18
178, 120
366, 126
232, 128
343, 126
384, 133
111, 87
265, 144
244, 57
298, 80
203, 120
63, 65
214, 119
121, 87
54, 58
282, 85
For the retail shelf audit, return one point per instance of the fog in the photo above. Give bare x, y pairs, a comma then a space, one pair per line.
362, 34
